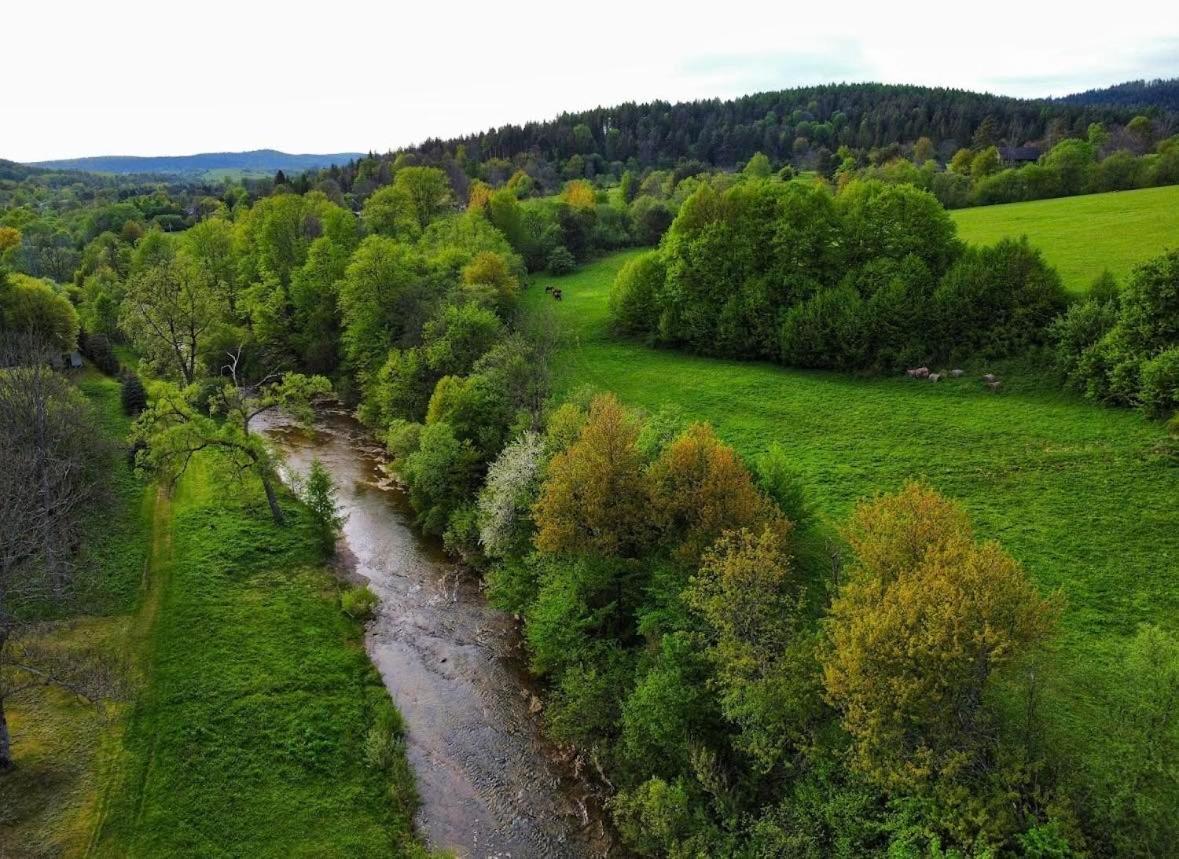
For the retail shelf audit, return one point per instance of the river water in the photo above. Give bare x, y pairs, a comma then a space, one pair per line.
490, 785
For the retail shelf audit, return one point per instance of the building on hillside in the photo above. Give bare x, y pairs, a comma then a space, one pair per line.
1017, 156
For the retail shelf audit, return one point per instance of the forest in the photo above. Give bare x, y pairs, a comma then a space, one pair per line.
739, 673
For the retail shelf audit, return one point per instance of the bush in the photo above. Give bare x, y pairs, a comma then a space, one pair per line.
825, 332
133, 395
560, 261
1158, 390
997, 301
634, 295
359, 603
98, 350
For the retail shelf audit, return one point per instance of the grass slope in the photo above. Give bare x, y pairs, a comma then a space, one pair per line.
1083, 236
1073, 491
254, 698
249, 739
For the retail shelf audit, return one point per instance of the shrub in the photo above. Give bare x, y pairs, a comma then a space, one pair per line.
133, 395
1158, 390
359, 603
560, 260
997, 301
783, 484
634, 295
825, 332
384, 743
98, 349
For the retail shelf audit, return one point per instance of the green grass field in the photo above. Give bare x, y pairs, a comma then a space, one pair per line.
249, 739
1076, 492
1083, 236
252, 702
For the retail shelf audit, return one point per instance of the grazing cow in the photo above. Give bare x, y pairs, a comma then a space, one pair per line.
548, 288
995, 386
957, 374
990, 377
557, 294
935, 377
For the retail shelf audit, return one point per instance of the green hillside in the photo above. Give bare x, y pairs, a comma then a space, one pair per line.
1075, 492
1082, 236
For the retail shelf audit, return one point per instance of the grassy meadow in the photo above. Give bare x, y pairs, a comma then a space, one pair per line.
246, 730
1076, 492
1083, 236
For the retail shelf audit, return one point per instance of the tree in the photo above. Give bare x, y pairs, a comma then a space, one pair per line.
390, 211
923, 150
210, 245
758, 167
487, 268
579, 194
508, 493
33, 307
319, 494
174, 430
961, 161
985, 163
700, 489
380, 301
628, 186
634, 295
169, 312
441, 475
924, 621
594, 499
748, 596
53, 465
428, 190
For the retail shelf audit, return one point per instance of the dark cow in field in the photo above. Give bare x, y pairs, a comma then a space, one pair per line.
557, 294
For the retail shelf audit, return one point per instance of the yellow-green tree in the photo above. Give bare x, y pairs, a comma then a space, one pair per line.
595, 498
579, 194
700, 489
924, 622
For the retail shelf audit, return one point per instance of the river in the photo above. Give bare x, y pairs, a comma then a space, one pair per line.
490, 785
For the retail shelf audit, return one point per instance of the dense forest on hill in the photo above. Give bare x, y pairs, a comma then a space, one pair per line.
1161, 94
802, 126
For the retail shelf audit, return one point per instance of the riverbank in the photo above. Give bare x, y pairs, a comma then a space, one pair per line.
490, 784
254, 711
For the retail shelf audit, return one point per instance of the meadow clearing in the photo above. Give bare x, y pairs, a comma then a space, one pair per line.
1077, 493
1083, 236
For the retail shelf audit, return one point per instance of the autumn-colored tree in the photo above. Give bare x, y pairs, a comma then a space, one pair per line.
923, 623
960, 163
479, 196
9, 238
700, 489
487, 268
923, 150
595, 498
579, 194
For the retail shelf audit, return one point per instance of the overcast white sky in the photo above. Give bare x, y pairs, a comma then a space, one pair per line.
172, 78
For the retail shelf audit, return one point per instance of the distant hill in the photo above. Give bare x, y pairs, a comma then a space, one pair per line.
257, 161
1163, 94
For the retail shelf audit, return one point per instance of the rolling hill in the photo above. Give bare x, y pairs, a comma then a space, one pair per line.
255, 161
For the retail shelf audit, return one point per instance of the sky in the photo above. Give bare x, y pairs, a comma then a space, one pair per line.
170, 78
